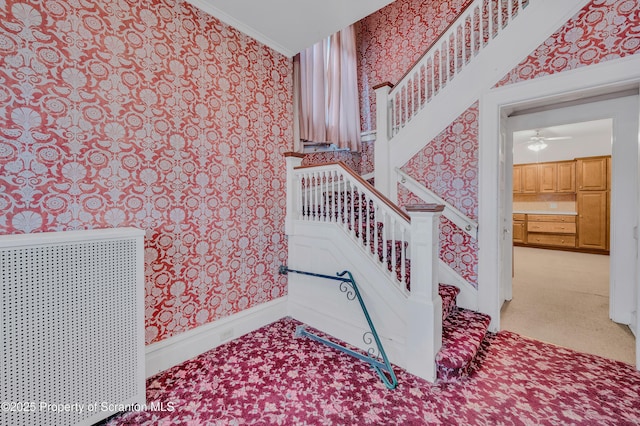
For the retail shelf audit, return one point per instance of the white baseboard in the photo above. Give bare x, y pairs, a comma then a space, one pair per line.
177, 349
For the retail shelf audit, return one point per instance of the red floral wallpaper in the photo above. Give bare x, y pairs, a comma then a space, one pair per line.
448, 165
392, 39
154, 115
366, 157
351, 159
457, 249
601, 31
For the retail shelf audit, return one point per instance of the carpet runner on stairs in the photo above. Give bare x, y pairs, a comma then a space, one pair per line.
462, 330
462, 334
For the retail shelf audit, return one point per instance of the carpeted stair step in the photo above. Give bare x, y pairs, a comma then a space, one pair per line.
462, 333
448, 294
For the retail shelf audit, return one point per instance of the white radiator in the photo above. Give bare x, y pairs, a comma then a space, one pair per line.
72, 326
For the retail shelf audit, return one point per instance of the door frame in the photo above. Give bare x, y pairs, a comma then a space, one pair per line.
607, 77
624, 127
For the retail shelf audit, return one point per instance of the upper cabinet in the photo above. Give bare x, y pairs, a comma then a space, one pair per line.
556, 177
592, 173
547, 177
566, 176
525, 179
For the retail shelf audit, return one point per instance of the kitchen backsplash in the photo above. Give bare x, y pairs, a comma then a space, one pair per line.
543, 206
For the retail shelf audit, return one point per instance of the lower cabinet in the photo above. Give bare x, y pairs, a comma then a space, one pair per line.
519, 228
544, 230
552, 240
551, 230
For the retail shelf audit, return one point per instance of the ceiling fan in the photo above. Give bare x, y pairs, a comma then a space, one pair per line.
538, 142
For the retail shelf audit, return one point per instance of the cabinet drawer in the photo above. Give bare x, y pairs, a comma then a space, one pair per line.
519, 216
552, 227
552, 240
552, 218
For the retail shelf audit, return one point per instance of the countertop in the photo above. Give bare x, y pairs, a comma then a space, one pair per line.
545, 212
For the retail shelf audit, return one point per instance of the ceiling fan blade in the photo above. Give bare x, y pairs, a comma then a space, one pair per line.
558, 138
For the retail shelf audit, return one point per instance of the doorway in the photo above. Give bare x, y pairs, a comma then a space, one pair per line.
494, 256
598, 117
561, 295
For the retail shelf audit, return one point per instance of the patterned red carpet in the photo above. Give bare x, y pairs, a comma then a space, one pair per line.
270, 377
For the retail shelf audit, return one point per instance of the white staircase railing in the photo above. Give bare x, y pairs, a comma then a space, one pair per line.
332, 193
334, 217
488, 40
474, 29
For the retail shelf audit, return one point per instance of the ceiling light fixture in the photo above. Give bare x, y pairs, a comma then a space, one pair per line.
537, 146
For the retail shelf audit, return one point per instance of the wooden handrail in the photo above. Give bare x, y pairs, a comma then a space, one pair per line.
429, 208
294, 154
385, 84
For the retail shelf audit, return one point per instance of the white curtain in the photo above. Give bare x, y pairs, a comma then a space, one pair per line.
327, 82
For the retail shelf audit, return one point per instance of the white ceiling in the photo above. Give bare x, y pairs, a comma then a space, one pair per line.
289, 26
585, 139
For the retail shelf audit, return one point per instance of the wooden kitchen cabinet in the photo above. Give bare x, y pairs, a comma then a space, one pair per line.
585, 181
566, 177
525, 179
592, 173
593, 220
547, 177
552, 177
519, 228
517, 179
551, 230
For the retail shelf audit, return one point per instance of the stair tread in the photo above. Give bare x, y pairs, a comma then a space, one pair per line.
462, 334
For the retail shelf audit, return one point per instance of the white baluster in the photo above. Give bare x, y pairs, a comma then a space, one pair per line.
352, 209
324, 194
383, 242
301, 200
332, 205
308, 193
314, 189
405, 100
368, 225
394, 264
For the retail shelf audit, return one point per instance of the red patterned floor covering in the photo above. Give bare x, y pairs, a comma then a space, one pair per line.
270, 377
462, 334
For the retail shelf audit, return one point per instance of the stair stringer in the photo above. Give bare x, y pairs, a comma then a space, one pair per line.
328, 249
539, 20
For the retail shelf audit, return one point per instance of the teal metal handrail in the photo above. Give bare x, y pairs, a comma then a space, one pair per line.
389, 379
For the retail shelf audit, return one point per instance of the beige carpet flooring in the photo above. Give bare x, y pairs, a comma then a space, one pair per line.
563, 298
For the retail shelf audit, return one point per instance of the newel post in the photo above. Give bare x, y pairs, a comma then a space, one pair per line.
293, 160
382, 172
424, 310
